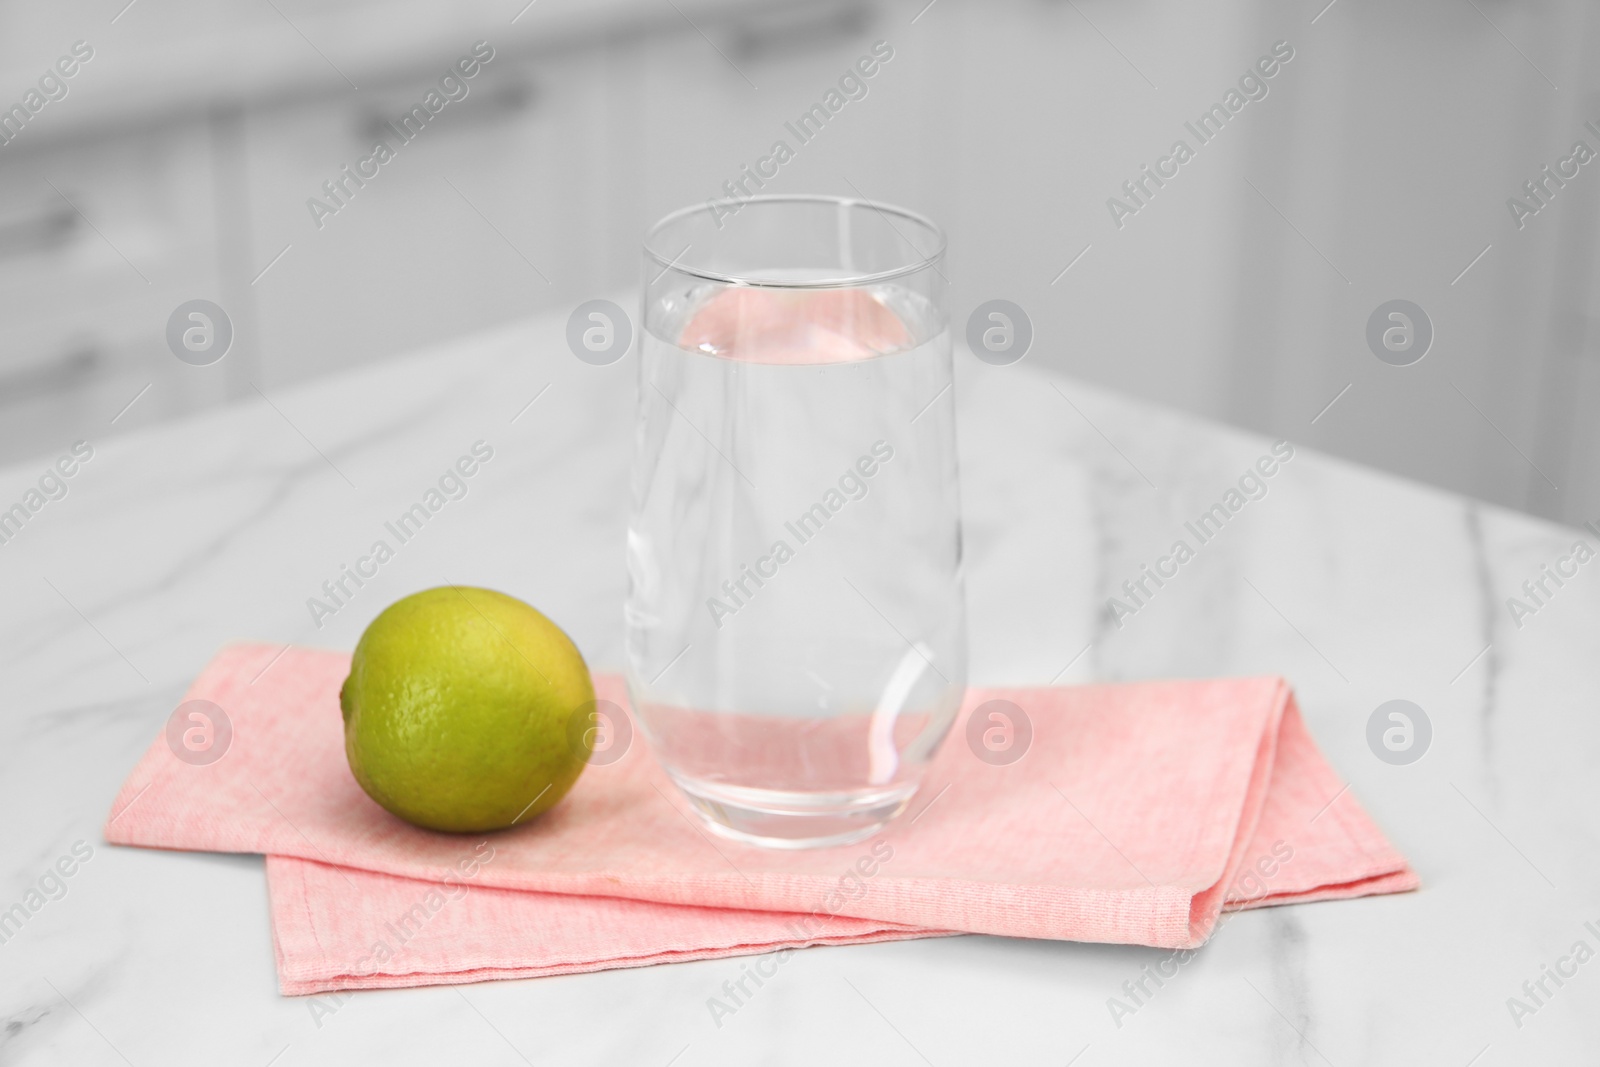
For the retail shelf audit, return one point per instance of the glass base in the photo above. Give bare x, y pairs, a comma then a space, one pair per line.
775, 818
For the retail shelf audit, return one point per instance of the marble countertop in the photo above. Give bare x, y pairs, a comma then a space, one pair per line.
1358, 587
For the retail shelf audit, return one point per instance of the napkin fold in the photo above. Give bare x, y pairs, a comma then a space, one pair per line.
1136, 814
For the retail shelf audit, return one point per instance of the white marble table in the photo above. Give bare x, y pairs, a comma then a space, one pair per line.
1357, 587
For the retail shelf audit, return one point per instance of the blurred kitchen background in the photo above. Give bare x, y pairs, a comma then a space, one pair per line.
180, 161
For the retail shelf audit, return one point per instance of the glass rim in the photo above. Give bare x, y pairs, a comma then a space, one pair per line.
922, 261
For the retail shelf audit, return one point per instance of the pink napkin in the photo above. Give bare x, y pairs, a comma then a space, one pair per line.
1138, 813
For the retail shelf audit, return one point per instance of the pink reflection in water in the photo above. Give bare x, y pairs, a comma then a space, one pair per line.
795, 326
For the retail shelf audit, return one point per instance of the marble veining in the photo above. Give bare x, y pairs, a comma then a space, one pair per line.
1489, 608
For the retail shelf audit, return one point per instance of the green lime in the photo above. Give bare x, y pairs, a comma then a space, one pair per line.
458, 707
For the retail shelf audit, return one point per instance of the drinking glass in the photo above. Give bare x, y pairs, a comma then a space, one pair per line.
796, 626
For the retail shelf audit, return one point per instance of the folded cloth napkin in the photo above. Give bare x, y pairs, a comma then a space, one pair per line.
340, 928
1136, 815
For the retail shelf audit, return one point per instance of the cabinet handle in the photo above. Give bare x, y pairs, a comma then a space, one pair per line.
487, 103
798, 28
64, 371
51, 228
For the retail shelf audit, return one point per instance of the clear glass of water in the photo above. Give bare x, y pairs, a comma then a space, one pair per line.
796, 626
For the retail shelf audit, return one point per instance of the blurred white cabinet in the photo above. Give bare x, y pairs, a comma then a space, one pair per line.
534, 191
99, 242
407, 259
